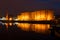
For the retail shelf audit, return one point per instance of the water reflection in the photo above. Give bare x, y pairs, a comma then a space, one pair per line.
41, 15
6, 25
40, 28
34, 27
24, 26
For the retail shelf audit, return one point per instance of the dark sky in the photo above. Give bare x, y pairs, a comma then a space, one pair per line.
16, 6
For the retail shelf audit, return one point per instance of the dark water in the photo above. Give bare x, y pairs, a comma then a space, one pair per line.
14, 33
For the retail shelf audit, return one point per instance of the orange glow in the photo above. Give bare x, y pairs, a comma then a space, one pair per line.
24, 26
6, 16
40, 27
50, 15
6, 19
6, 25
23, 16
36, 15
42, 15
10, 24
10, 19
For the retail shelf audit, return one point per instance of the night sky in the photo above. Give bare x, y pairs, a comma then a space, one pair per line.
14, 7
17, 6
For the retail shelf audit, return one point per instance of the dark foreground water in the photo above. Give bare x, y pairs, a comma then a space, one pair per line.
25, 36
14, 33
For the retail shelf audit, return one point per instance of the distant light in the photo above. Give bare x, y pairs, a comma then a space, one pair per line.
10, 19
3, 18
15, 23
16, 19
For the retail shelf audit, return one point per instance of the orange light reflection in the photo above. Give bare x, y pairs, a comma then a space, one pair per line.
34, 27
10, 24
24, 26
40, 27
6, 25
